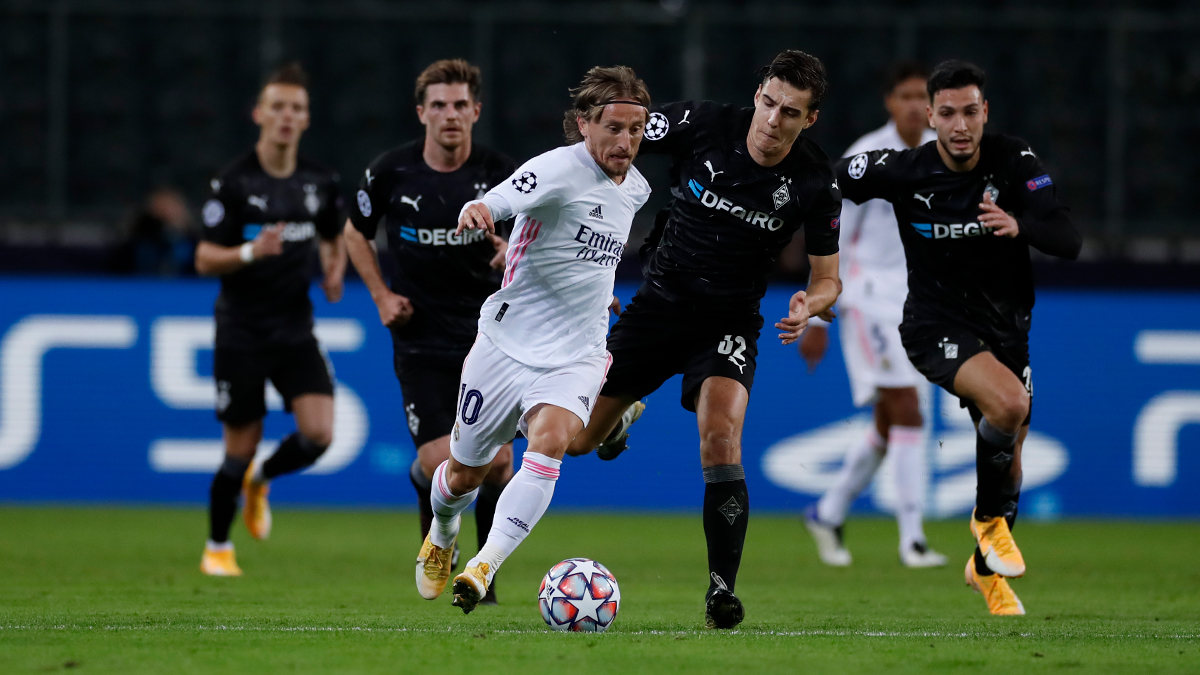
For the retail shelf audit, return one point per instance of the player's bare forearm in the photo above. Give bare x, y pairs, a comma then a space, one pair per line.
824, 286
333, 265
363, 257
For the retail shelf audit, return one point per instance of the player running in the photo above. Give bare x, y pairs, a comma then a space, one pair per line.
745, 183
871, 307
539, 360
969, 206
267, 209
440, 278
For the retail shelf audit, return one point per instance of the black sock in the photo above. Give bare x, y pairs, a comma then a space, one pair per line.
726, 514
295, 452
223, 497
423, 486
485, 510
997, 491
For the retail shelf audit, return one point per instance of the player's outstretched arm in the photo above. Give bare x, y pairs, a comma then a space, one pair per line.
476, 216
212, 259
394, 310
817, 300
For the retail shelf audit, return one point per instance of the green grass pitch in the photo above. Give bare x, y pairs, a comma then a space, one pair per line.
119, 591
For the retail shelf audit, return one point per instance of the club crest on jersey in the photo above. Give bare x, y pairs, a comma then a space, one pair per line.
858, 166
714, 201
780, 197
311, 201
657, 126
364, 203
992, 190
1039, 182
213, 213
525, 183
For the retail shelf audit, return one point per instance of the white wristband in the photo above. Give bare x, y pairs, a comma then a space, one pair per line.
246, 252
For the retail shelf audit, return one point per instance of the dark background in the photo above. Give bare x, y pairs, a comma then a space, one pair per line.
103, 101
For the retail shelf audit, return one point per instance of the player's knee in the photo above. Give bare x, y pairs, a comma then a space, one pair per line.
1011, 410
318, 438
314, 445
719, 446
463, 479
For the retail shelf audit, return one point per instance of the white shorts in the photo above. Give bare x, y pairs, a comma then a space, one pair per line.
874, 356
496, 392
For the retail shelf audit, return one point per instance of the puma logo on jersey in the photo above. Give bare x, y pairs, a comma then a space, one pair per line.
736, 355
369, 179
1028, 152
711, 170
882, 157
596, 213
924, 199
685, 119
411, 202
260, 202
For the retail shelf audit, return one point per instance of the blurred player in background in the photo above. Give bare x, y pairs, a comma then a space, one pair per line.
871, 307
267, 210
969, 207
540, 359
745, 182
441, 278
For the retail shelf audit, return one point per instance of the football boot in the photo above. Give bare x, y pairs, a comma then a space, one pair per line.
996, 543
617, 441
433, 569
830, 546
256, 511
1001, 600
918, 554
471, 586
220, 563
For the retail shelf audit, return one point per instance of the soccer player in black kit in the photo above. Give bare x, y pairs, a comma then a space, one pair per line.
440, 278
272, 214
969, 205
744, 183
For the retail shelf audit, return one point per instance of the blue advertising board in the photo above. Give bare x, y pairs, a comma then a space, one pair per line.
106, 395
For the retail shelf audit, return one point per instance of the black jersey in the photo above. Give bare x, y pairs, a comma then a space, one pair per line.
957, 268
445, 276
266, 302
730, 217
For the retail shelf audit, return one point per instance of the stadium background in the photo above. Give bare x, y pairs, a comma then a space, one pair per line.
104, 101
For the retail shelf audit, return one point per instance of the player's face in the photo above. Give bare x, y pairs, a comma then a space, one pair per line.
959, 115
282, 113
449, 113
614, 138
908, 105
781, 112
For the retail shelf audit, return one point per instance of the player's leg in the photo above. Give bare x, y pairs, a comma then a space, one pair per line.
498, 476
1002, 402
605, 422
720, 414
899, 411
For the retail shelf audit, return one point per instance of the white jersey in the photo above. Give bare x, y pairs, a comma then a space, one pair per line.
871, 263
572, 222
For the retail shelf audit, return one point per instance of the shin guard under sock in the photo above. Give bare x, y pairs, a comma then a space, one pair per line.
295, 452
726, 515
521, 505
997, 491
423, 485
446, 508
223, 497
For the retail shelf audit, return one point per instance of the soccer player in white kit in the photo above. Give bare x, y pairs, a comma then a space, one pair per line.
540, 359
875, 284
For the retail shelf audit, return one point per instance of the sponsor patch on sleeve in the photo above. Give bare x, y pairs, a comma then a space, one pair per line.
1038, 183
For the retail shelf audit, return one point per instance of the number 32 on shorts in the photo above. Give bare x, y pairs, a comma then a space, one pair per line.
736, 356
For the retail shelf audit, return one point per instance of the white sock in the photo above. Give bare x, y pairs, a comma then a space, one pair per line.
908, 460
217, 547
857, 470
519, 508
446, 508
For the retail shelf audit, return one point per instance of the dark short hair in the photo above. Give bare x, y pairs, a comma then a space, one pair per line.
289, 73
903, 71
803, 71
956, 75
449, 71
599, 85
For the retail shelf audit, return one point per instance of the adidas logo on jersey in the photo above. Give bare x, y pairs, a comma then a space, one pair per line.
595, 213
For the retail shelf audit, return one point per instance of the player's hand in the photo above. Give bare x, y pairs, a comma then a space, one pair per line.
797, 319
333, 288
994, 216
394, 310
615, 306
813, 346
476, 216
269, 241
501, 247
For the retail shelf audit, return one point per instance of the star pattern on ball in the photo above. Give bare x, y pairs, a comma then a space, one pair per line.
526, 182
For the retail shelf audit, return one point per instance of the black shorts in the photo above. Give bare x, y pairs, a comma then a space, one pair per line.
242, 375
429, 385
938, 348
655, 339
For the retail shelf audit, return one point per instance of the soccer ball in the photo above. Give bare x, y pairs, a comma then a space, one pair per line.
579, 595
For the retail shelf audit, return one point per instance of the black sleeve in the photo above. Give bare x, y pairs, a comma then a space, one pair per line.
221, 226
822, 224
1044, 221
672, 126
371, 198
329, 219
868, 175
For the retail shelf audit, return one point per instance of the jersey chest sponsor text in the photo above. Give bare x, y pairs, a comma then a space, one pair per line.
603, 249
951, 231
714, 201
441, 236
291, 231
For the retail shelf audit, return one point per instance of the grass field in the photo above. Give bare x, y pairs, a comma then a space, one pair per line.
118, 591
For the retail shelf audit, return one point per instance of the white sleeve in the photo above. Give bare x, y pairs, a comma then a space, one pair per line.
544, 180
